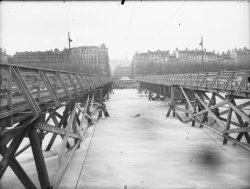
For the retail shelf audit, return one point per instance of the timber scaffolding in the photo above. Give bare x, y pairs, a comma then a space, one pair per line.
29, 107
206, 99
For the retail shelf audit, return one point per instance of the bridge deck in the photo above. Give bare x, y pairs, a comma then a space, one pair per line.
140, 148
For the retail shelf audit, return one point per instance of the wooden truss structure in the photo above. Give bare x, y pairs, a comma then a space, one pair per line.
30, 106
218, 101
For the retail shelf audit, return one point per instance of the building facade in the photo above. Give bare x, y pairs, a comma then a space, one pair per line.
145, 63
241, 55
40, 57
195, 56
95, 56
122, 71
3, 56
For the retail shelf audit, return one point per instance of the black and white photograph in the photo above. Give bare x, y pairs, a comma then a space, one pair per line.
125, 94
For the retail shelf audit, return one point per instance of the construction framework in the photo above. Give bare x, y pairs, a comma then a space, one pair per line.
35, 102
219, 101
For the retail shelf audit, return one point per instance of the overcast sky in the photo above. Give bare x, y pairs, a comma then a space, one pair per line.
125, 29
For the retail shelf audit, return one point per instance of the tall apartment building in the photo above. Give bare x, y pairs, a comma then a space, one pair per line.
96, 56
3, 56
144, 63
40, 57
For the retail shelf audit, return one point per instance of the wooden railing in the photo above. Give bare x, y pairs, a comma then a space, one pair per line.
25, 88
233, 82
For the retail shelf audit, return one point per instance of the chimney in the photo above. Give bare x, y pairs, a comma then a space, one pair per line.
214, 51
205, 50
186, 49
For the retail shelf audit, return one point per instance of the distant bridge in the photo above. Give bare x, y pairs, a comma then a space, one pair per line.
29, 102
190, 100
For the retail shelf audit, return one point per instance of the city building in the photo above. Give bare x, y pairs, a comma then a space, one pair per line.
195, 56
145, 63
40, 57
3, 56
95, 56
241, 55
122, 71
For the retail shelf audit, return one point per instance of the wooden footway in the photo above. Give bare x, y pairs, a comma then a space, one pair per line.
30, 106
219, 101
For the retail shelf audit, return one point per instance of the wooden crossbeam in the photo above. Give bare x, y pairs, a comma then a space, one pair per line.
229, 79
25, 91
187, 99
210, 111
64, 86
10, 152
59, 170
50, 89
55, 129
18, 170
238, 130
39, 159
242, 82
229, 117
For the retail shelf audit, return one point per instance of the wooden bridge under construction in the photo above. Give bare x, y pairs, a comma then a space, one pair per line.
38, 103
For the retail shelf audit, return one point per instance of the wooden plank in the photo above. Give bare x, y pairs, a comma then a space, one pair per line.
10, 134
237, 90
10, 152
210, 111
9, 97
229, 117
239, 112
25, 91
73, 84
18, 170
56, 130
59, 125
64, 86
240, 106
39, 159
238, 130
188, 101
59, 171
52, 93
229, 79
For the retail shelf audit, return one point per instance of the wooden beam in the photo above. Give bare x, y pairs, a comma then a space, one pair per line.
18, 170
39, 159
10, 152
52, 93
56, 130
187, 99
238, 130
229, 117
25, 91
210, 111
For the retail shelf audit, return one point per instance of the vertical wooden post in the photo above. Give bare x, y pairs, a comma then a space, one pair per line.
39, 159
9, 97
